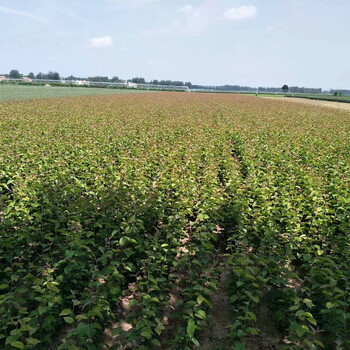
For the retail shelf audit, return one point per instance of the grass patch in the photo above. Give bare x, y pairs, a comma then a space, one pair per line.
23, 92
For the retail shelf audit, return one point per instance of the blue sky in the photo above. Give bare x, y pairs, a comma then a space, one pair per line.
246, 42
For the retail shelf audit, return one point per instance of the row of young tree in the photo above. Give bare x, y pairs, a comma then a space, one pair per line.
15, 74
139, 80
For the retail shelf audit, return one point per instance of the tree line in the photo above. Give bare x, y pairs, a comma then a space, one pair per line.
15, 74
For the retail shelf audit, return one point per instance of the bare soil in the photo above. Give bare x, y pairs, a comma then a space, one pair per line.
215, 336
330, 104
269, 338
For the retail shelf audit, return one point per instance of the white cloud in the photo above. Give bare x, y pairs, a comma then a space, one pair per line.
241, 12
132, 2
22, 14
103, 41
144, 1
186, 9
74, 16
194, 20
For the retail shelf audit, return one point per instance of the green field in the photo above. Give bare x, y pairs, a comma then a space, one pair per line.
270, 95
321, 97
123, 218
21, 92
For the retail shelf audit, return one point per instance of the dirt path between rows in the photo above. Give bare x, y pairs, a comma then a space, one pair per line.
216, 335
337, 105
269, 337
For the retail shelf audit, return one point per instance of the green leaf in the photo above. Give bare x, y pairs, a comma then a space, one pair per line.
15, 332
4, 286
114, 232
68, 319
18, 345
25, 328
294, 307
250, 316
32, 341
301, 330
195, 342
66, 312
234, 298
154, 299
201, 314
84, 330
191, 327
312, 321
123, 241
156, 342
159, 328
251, 330
255, 298
330, 305
42, 309
81, 317
308, 303
200, 299
300, 313
146, 334
319, 343
10, 339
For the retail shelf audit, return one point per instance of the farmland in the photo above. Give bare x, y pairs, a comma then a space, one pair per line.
22, 92
120, 214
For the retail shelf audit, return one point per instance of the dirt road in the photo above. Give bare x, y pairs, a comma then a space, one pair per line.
338, 105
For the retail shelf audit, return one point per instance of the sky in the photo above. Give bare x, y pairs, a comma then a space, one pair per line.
211, 42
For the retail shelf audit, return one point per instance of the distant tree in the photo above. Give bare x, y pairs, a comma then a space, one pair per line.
138, 80
285, 88
189, 84
177, 83
52, 76
14, 74
31, 75
343, 91
115, 79
40, 76
72, 77
98, 78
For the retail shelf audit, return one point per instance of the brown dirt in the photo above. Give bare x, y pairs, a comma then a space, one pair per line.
330, 104
123, 326
215, 336
269, 337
